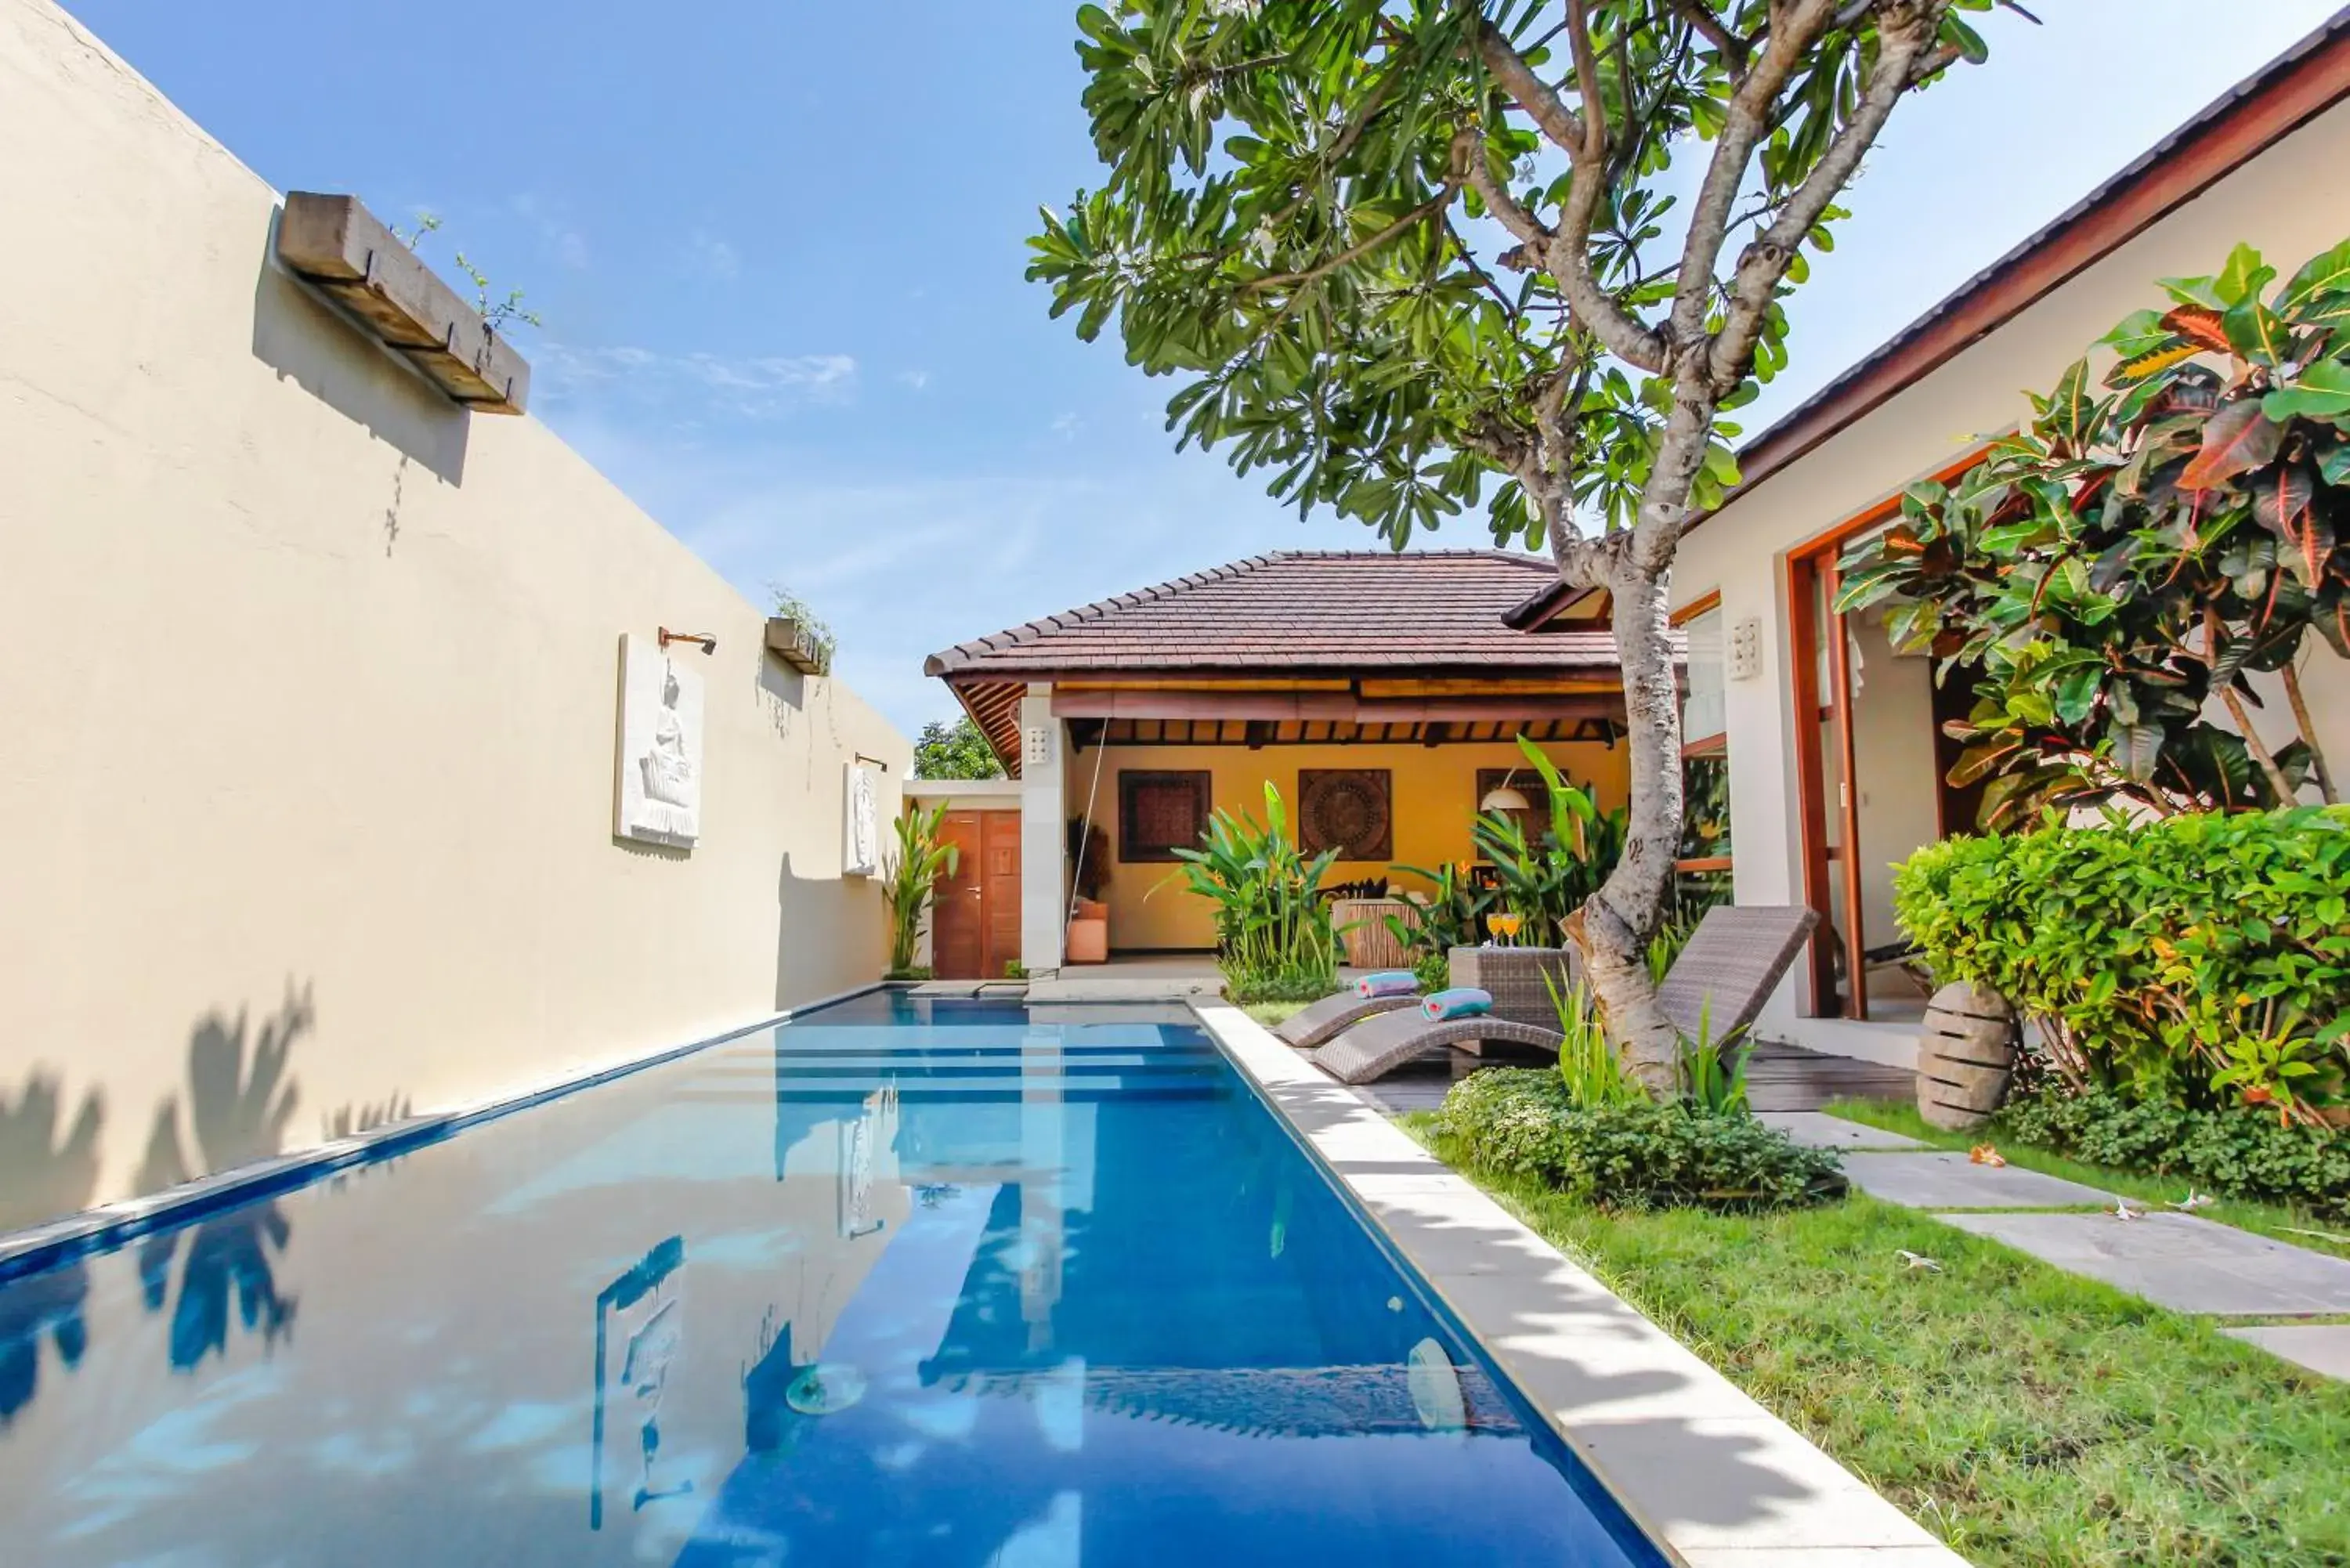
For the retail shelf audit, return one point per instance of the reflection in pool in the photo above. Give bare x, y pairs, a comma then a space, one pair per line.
902, 1282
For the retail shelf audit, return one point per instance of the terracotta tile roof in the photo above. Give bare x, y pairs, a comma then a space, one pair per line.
1300, 609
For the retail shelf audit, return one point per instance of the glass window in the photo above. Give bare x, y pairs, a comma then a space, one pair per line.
1704, 711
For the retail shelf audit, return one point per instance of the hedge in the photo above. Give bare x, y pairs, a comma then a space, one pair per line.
2235, 1153
2202, 961
1521, 1122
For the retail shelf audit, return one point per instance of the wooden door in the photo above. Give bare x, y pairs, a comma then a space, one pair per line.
999, 890
958, 920
976, 913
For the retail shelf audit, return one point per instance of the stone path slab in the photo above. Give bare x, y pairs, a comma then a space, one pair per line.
2178, 1261
2323, 1347
1949, 1181
1817, 1129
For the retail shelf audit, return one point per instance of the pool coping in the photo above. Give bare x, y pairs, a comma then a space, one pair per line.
38, 1247
1713, 1478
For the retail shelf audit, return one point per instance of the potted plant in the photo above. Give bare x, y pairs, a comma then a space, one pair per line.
798, 635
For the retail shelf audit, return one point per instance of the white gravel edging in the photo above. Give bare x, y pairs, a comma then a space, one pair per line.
1712, 1476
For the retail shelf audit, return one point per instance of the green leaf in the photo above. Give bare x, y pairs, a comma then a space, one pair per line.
2243, 277
2325, 273
2256, 333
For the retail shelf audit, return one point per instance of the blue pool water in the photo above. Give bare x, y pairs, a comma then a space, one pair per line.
902, 1282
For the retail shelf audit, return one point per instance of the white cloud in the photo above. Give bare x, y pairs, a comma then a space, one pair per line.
554, 232
918, 379
690, 387
710, 256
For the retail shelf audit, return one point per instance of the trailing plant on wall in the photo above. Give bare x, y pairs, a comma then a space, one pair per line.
2199, 959
1546, 881
495, 313
2137, 553
814, 627
1274, 939
910, 874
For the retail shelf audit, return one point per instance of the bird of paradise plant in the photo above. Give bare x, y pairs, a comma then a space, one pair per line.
910, 876
1274, 939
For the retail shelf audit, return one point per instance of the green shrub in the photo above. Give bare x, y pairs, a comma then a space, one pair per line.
2234, 1153
1275, 940
2201, 960
1520, 1122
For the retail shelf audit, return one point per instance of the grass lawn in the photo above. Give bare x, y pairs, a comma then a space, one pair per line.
1273, 1015
2024, 1415
2275, 1219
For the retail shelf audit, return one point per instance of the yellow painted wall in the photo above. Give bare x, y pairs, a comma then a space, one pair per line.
1433, 796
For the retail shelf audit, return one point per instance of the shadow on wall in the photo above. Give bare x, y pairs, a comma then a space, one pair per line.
240, 1100
304, 340
826, 928
365, 1116
46, 1169
783, 693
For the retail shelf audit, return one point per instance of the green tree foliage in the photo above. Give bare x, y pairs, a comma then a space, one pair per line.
956, 750
1416, 258
2141, 550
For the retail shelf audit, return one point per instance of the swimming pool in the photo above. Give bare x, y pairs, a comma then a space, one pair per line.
903, 1281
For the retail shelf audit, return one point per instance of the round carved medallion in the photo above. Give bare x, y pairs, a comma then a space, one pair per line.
1346, 810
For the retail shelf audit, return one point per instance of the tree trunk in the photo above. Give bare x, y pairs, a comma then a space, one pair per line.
1615, 925
2323, 774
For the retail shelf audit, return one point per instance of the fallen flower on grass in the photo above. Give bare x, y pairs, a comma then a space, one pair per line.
1985, 1154
1918, 1261
2194, 1201
2122, 1210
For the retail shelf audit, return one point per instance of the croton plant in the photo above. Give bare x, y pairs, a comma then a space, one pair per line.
2146, 544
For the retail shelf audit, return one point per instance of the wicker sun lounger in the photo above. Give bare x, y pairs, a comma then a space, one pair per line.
1378, 1046
1732, 962
1331, 1016
1731, 965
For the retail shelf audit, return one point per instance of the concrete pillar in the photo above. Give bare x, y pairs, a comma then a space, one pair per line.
1043, 832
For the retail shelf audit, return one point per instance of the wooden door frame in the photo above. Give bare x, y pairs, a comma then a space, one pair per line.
1811, 782
1810, 565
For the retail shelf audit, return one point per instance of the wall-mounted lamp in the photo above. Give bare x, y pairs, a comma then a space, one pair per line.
709, 643
874, 760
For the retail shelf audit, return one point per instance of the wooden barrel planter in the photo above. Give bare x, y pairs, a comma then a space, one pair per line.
1966, 1056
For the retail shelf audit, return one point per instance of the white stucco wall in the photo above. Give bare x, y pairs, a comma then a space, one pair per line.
309, 689
2290, 202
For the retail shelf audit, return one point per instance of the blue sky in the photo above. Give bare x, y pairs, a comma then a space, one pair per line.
777, 244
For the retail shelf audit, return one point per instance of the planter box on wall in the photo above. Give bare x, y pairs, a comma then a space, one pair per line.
336, 245
790, 641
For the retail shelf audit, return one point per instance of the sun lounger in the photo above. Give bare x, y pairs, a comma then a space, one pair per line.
1731, 965
1331, 1016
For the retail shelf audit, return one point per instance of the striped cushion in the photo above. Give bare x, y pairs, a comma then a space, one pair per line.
1460, 1002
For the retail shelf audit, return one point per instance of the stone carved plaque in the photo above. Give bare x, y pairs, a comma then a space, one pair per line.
1347, 810
860, 852
659, 799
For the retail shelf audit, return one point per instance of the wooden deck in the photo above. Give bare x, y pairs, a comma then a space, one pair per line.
1778, 1078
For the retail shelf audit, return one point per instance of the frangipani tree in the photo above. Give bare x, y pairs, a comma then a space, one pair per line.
1416, 257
